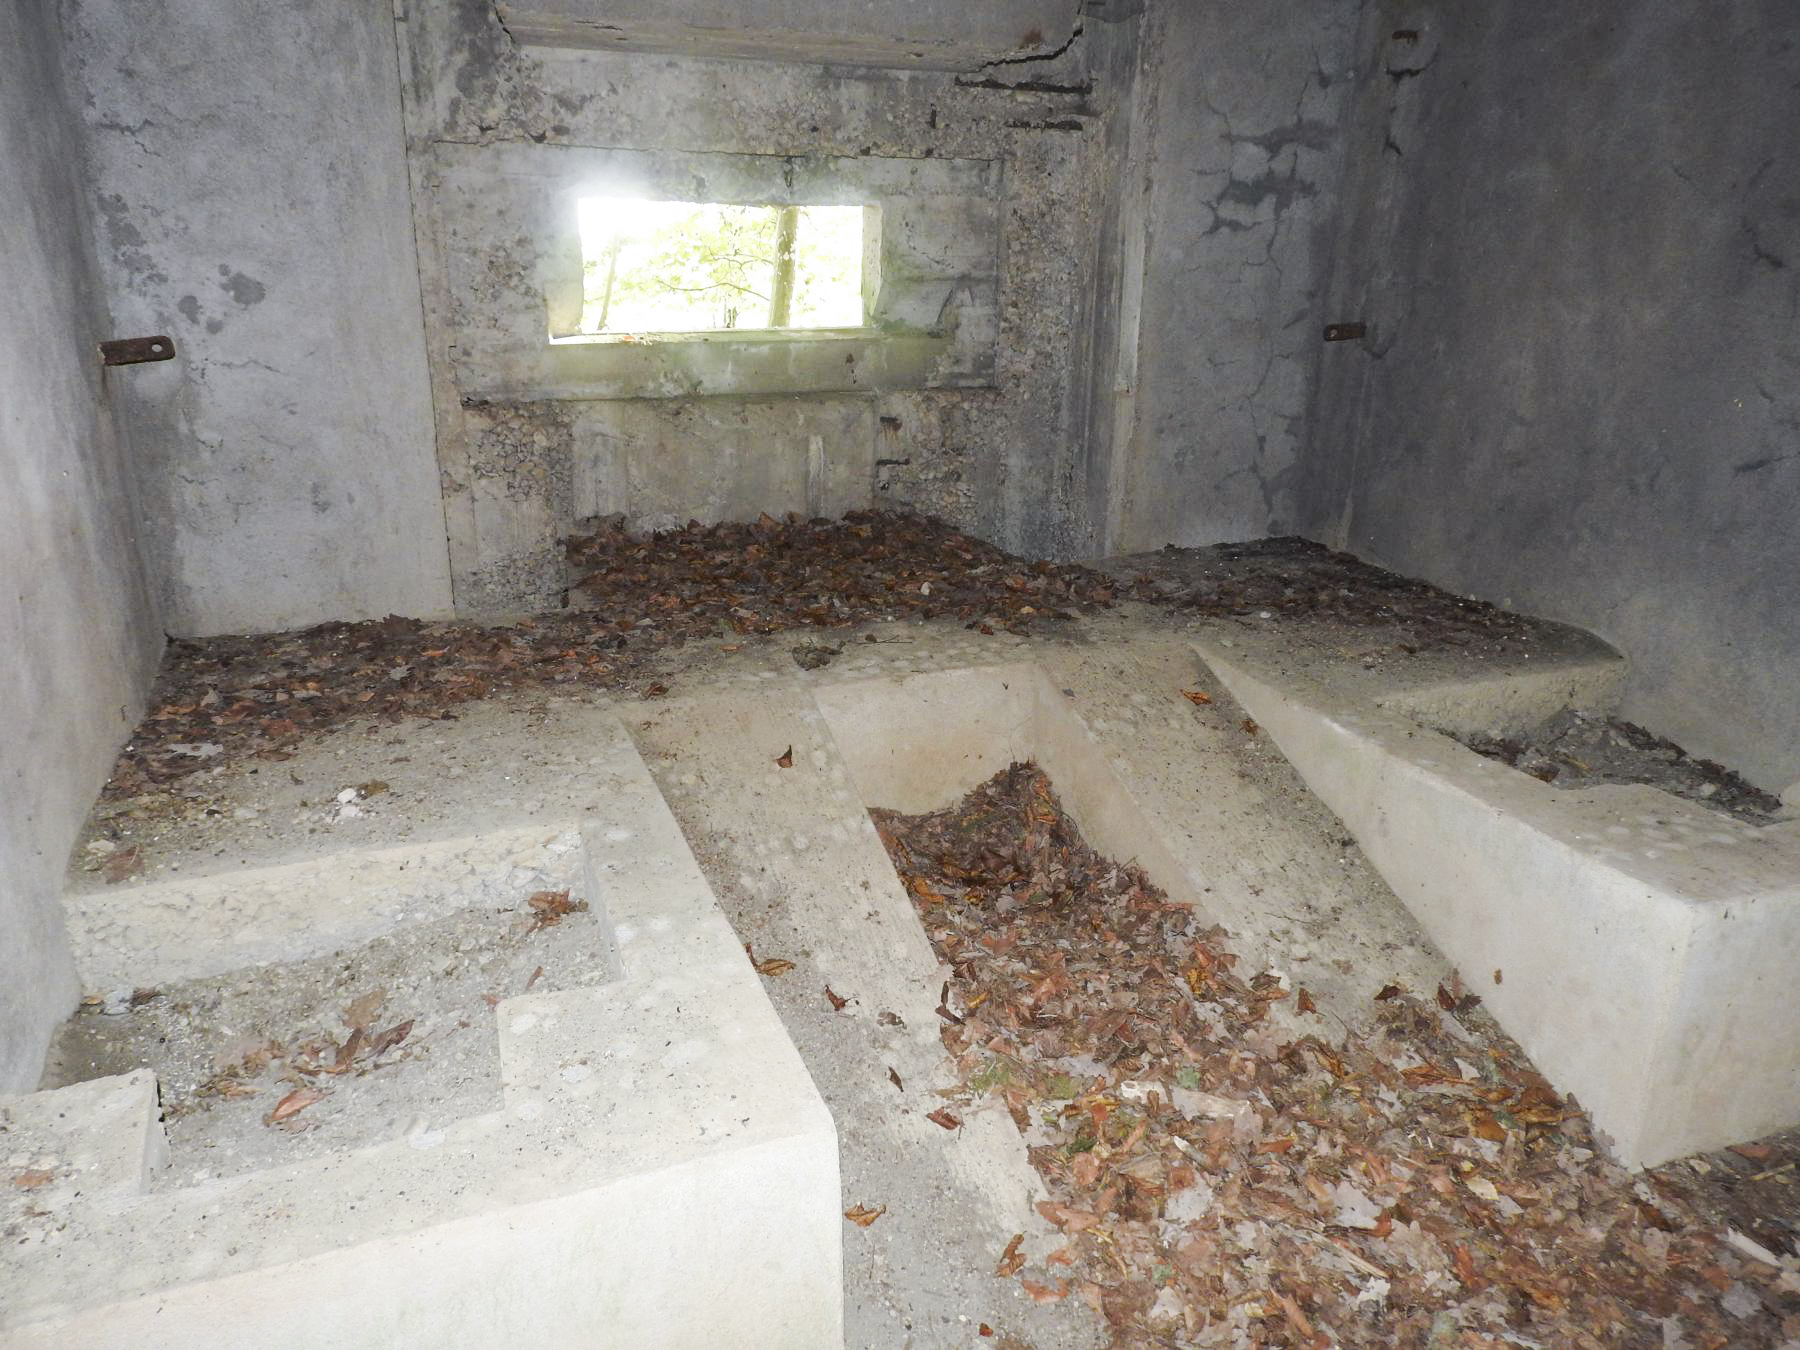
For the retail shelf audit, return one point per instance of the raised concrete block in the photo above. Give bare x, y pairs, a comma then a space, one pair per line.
660, 1171
1638, 946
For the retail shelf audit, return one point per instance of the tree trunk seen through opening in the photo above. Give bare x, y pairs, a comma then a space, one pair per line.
781, 301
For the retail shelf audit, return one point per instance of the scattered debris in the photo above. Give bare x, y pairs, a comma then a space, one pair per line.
1580, 750
552, 907
1224, 1178
389, 1033
815, 655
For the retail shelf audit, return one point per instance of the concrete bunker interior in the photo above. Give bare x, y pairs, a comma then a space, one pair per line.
1503, 301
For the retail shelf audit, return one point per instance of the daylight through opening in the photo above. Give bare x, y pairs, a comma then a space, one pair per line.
696, 267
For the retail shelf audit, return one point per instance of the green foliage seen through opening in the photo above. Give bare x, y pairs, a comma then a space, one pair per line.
694, 267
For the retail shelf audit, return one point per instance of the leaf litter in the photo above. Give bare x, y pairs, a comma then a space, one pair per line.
394, 1037
1224, 1177
633, 599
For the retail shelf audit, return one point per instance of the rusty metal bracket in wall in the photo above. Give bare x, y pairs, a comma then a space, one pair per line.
131, 351
1345, 332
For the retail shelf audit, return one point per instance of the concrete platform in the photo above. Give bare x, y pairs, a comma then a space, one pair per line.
1640, 947
662, 1171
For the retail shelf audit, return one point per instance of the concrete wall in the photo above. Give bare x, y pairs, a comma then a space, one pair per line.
1005, 459
929, 34
1240, 118
251, 186
78, 632
1576, 236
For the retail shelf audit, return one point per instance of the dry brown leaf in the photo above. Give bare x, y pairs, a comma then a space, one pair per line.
774, 966
32, 1178
347, 1052
1012, 1260
837, 1004
862, 1216
942, 1117
388, 1039
552, 907
1485, 1126
1084, 1169
127, 862
1199, 696
292, 1104
785, 760
1069, 1219
1043, 1293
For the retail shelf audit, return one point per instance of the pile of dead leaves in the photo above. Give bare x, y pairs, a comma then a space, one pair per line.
775, 575
223, 699
1225, 1178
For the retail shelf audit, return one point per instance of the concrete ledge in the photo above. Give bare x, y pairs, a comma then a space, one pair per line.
1497, 704
129, 936
1638, 946
662, 1172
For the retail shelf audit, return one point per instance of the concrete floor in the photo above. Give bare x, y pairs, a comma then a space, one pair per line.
908, 716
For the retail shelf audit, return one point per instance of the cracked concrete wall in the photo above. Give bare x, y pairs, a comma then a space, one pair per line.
1242, 135
79, 633
1007, 460
1576, 237
251, 184
929, 34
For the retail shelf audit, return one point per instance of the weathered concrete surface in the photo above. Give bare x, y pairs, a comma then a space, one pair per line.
1242, 157
663, 465
1577, 240
78, 631
662, 1171
251, 186
927, 34
1637, 945
1006, 459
